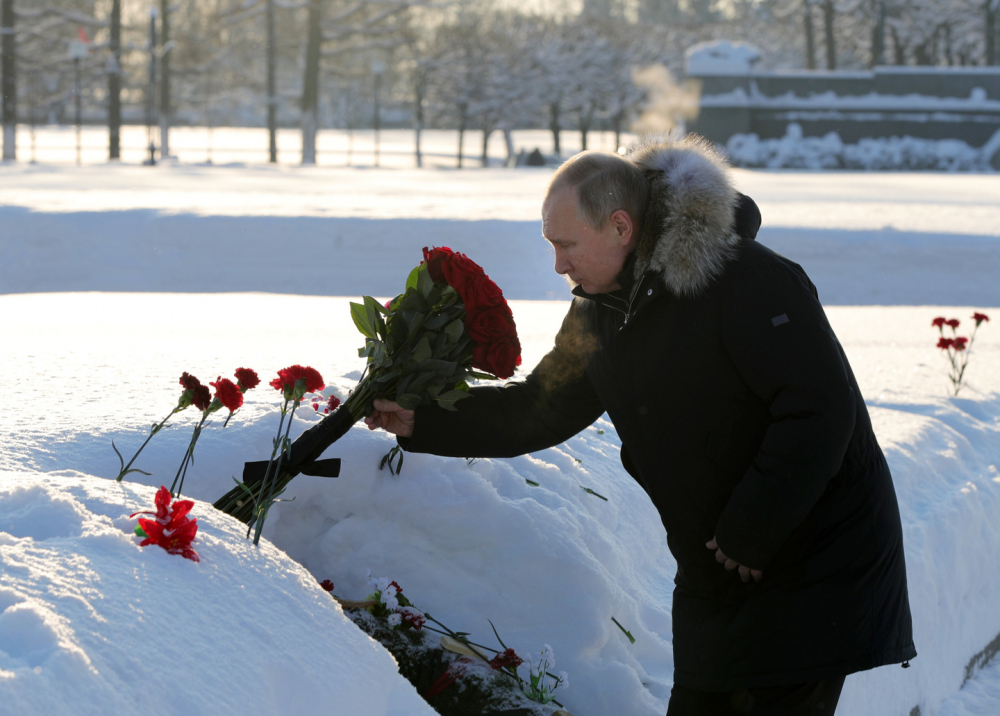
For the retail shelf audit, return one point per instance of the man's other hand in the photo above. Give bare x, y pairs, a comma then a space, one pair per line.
745, 572
390, 417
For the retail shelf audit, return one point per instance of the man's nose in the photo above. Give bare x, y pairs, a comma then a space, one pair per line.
562, 265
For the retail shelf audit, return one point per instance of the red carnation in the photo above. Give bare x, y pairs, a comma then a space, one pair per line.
201, 397
288, 377
189, 382
960, 342
172, 529
332, 402
228, 393
507, 659
938, 322
316, 407
945, 343
327, 585
953, 323
247, 379
979, 318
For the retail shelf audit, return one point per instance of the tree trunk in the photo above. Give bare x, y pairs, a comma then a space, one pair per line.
878, 35
584, 129
419, 120
310, 85
619, 117
554, 126
115, 82
831, 47
898, 51
461, 132
272, 100
508, 139
164, 79
990, 32
9, 82
807, 16
487, 131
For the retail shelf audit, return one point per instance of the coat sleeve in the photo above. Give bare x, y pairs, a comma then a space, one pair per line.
778, 337
553, 403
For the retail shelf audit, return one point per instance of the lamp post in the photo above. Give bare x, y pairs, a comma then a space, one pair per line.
77, 51
378, 67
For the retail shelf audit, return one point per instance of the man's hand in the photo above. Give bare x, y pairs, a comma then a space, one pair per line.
390, 417
745, 572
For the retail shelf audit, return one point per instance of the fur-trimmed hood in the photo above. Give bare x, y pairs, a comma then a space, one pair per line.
687, 233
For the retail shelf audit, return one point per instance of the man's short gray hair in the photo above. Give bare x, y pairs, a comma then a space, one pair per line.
604, 183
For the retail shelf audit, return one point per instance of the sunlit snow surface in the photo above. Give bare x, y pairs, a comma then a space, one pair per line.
551, 563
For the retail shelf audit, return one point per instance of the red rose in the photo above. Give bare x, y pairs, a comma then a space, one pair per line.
490, 324
945, 343
979, 318
247, 379
938, 322
228, 393
455, 269
499, 357
435, 259
481, 293
960, 343
953, 323
201, 397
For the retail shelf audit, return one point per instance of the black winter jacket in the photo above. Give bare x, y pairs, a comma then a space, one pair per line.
740, 417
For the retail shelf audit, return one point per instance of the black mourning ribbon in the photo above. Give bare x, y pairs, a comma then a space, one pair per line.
306, 449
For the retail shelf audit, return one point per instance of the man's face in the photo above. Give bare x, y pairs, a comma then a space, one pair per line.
592, 258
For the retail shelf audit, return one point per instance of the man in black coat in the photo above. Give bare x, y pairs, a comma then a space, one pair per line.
738, 414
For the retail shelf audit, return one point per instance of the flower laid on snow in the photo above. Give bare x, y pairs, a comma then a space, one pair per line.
200, 397
390, 604
171, 527
293, 382
327, 585
507, 659
247, 379
296, 380
957, 347
541, 684
332, 403
228, 394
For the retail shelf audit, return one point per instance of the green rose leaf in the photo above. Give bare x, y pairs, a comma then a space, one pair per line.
360, 316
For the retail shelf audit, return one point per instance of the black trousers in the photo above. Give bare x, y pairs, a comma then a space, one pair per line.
818, 698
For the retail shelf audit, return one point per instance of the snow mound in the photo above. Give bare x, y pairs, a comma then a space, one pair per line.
795, 151
90, 623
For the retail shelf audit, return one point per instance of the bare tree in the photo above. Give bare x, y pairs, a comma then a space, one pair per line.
9, 82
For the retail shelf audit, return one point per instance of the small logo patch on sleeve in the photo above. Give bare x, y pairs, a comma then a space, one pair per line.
780, 320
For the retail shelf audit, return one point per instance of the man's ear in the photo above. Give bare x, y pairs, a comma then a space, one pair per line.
624, 227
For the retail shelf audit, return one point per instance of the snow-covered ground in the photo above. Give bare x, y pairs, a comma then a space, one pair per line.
174, 252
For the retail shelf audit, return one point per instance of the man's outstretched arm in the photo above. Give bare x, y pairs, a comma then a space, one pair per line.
553, 403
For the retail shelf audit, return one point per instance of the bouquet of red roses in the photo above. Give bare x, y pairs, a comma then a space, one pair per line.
449, 325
